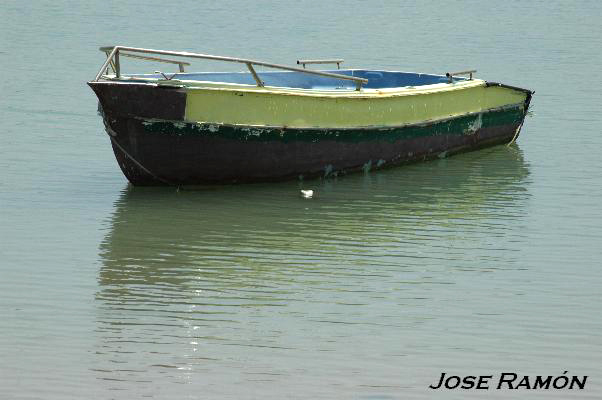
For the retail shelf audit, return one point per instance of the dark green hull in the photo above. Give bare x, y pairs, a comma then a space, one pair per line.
161, 152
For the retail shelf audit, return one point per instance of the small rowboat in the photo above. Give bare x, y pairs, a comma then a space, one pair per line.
224, 127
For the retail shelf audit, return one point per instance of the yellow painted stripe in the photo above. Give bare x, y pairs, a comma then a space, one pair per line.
336, 109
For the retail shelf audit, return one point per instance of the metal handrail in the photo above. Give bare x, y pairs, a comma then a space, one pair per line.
337, 61
181, 64
113, 58
469, 72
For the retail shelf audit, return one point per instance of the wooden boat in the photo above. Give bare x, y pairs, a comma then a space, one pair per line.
203, 128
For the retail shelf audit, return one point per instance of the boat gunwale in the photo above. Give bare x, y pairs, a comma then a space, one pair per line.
283, 90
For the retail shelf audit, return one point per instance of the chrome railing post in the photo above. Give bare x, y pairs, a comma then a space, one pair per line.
116, 61
106, 63
255, 76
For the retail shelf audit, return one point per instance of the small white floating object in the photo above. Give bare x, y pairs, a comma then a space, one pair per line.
307, 194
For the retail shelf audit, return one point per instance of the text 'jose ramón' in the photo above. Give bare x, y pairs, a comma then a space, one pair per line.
510, 380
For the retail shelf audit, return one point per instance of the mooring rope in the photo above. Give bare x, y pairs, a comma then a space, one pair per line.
112, 134
516, 134
138, 164
529, 93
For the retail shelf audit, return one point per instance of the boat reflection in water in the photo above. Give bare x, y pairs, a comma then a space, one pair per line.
254, 284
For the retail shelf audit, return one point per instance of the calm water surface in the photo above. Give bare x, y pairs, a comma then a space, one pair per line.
478, 264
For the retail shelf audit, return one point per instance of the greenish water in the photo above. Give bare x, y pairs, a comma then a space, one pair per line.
478, 264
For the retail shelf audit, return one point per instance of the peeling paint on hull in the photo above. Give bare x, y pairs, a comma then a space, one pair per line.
160, 152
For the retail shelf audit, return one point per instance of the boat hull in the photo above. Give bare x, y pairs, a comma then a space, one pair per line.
162, 152
161, 134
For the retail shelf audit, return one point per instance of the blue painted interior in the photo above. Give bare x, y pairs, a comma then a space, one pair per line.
293, 79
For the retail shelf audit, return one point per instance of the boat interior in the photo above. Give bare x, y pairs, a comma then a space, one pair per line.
293, 79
